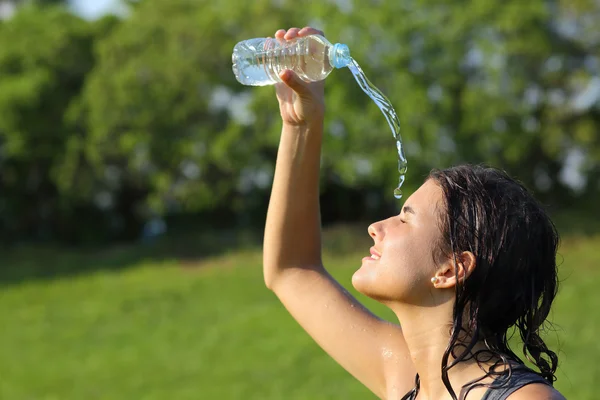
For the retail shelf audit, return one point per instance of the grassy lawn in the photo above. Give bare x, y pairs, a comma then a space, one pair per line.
137, 325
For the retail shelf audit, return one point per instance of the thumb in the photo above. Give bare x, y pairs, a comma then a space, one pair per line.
291, 79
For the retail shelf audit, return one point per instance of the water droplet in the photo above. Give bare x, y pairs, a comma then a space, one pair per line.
398, 193
387, 353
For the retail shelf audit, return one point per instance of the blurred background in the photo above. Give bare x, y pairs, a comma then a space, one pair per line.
135, 173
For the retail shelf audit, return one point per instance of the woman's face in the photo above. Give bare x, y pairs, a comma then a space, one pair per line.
401, 263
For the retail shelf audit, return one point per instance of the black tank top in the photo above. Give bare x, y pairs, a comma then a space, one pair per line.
520, 377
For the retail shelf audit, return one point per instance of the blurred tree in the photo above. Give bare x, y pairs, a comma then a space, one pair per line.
169, 127
31, 2
162, 127
19, 3
45, 55
512, 84
470, 84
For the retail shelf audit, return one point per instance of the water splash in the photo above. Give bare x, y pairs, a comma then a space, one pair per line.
390, 115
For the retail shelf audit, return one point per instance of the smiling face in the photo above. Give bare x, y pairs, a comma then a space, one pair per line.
402, 264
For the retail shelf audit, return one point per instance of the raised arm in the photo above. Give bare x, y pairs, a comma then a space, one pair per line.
372, 350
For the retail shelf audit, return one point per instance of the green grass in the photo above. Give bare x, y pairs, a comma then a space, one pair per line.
150, 327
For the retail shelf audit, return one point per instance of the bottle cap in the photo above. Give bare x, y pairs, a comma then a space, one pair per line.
340, 55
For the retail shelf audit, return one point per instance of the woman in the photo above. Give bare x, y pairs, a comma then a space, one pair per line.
470, 255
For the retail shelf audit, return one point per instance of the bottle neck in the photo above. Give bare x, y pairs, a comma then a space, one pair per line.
339, 55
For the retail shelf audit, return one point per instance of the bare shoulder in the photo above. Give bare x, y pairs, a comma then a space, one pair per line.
536, 391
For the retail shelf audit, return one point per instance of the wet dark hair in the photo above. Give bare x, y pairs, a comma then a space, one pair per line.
514, 281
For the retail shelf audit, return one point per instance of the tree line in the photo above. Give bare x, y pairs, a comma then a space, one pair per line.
108, 124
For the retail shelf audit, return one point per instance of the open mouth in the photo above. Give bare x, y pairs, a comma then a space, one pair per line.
375, 255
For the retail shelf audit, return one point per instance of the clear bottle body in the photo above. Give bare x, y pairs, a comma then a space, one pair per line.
258, 62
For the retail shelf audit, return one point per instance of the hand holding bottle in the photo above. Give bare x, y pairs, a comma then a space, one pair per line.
300, 103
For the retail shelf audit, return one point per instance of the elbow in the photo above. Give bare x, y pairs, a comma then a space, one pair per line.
272, 270
274, 276
268, 282
269, 277
277, 279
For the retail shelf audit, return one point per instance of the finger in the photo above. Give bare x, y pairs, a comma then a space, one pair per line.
291, 33
290, 78
284, 93
307, 30
280, 34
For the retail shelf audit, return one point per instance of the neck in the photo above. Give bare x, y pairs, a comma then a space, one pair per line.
427, 331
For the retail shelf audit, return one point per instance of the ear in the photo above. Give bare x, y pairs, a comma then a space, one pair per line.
448, 275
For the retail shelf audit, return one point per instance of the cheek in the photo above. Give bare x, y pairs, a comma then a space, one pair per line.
403, 271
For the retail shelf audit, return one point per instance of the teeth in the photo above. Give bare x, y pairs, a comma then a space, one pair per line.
374, 256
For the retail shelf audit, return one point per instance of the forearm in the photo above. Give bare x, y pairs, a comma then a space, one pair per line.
293, 226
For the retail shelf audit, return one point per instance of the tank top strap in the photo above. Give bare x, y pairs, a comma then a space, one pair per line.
520, 377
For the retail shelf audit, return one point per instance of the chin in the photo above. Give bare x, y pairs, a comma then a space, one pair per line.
367, 287
379, 287
357, 283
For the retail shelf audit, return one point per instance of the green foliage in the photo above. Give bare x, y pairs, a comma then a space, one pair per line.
122, 120
151, 115
21, 3
44, 58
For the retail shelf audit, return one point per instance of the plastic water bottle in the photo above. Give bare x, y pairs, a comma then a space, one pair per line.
258, 62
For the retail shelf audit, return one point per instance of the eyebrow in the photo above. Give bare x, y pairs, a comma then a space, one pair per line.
408, 209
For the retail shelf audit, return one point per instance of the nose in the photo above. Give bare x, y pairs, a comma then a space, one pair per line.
376, 230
